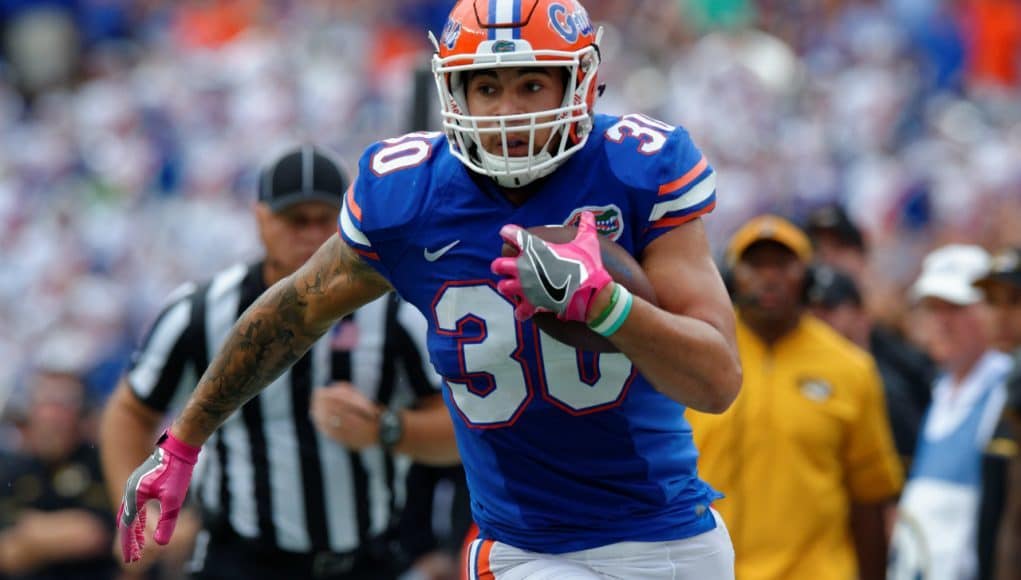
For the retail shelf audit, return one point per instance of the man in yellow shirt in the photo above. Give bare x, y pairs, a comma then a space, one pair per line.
804, 456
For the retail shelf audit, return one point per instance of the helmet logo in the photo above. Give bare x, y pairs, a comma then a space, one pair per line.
569, 25
503, 46
451, 32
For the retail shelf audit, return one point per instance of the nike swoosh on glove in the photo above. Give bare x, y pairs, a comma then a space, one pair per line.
164, 476
547, 277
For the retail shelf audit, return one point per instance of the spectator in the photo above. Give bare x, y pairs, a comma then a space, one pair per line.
935, 533
906, 372
808, 429
838, 242
1002, 289
1008, 559
54, 515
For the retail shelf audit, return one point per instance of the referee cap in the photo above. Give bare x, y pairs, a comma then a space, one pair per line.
769, 228
301, 174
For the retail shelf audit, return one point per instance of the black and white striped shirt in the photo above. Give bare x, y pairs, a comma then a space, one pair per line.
268, 473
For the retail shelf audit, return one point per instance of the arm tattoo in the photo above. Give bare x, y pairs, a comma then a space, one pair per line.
349, 264
270, 336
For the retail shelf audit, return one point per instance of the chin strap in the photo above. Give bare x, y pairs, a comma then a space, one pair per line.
497, 164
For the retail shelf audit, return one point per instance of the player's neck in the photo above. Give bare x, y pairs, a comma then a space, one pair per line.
517, 196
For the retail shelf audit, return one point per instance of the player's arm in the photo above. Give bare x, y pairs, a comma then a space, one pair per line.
686, 347
275, 331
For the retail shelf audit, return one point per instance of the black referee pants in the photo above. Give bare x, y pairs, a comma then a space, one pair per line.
227, 558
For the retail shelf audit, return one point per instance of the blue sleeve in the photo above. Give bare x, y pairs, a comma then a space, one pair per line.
670, 180
381, 206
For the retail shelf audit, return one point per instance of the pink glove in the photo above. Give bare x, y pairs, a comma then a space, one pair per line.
164, 476
547, 277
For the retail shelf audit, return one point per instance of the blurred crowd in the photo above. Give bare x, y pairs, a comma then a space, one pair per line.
130, 133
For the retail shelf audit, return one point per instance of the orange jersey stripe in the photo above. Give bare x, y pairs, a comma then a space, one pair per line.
352, 204
686, 178
367, 254
485, 572
672, 222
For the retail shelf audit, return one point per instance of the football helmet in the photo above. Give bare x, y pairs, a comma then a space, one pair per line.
488, 34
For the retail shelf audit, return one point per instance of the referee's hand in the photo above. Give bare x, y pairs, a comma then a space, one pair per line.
164, 477
344, 414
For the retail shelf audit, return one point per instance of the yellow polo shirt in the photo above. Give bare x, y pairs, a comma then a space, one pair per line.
807, 437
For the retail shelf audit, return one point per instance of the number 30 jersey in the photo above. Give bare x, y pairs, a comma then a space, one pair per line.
565, 450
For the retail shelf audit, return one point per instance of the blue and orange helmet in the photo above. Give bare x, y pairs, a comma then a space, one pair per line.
489, 34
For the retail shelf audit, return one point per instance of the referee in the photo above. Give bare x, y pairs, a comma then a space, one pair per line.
297, 483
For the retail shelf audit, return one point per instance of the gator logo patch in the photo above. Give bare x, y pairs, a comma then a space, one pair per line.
503, 46
608, 220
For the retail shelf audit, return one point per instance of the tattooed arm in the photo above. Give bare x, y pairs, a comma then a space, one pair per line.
275, 332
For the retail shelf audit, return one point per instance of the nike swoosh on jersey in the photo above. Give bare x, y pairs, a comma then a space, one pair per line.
433, 256
557, 293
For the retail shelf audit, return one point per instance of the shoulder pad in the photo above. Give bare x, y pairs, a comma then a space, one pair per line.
670, 179
390, 190
645, 153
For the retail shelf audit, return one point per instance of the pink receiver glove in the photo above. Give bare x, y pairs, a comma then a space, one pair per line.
164, 476
547, 277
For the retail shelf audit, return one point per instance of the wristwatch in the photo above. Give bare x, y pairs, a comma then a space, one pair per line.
391, 429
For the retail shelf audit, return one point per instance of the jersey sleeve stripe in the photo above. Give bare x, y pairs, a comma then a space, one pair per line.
350, 230
349, 200
688, 202
685, 179
367, 254
673, 222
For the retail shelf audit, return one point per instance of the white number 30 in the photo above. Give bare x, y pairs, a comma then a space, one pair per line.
651, 133
494, 381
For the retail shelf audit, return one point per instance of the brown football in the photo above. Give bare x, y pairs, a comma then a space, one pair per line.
622, 267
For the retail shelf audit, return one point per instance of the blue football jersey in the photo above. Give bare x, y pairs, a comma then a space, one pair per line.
564, 450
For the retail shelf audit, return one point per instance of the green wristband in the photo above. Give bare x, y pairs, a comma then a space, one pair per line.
614, 297
610, 320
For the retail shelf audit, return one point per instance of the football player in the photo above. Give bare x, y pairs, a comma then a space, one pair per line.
579, 464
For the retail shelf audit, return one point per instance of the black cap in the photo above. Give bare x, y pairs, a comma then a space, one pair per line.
1005, 268
829, 288
833, 219
305, 173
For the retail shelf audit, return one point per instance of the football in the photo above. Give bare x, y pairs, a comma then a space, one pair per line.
622, 267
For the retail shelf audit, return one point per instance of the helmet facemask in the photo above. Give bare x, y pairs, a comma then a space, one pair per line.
570, 123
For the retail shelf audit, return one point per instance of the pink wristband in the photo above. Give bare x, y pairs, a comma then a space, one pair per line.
179, 449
